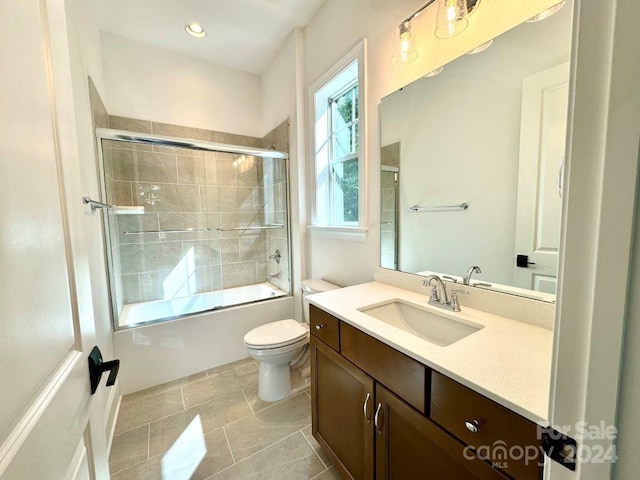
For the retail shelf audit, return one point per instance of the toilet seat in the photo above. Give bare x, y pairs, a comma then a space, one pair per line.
281, 333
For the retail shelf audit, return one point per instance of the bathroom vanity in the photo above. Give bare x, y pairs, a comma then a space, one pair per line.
388, 403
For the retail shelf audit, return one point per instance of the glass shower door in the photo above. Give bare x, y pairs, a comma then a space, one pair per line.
193, 230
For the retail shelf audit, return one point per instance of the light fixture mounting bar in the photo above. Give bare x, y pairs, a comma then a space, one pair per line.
418, 12
471, 4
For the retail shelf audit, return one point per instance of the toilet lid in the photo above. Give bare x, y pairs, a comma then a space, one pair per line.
275, 334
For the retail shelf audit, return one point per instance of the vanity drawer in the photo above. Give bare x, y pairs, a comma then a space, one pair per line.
399, 373
502, 434
324, 326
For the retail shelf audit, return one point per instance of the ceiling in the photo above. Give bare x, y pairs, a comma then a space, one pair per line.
241, 34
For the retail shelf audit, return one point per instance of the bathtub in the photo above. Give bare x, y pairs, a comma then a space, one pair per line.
145, 312
162, 351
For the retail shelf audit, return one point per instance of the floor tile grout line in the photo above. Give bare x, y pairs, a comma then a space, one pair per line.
266, 408
206, 375
184, 405
219, 396
148, 441
259, 451
197, 405
229, 445
321, 473
313, 449
247, 400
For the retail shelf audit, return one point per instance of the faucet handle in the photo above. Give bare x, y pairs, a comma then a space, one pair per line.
434, 294
455, 306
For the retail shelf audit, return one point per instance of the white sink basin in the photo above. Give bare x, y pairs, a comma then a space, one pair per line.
439, 329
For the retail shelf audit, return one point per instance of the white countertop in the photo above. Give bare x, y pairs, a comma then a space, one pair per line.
507, 361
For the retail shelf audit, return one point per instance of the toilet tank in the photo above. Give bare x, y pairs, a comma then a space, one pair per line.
311, 286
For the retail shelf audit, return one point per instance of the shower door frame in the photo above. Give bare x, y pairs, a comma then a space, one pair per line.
168, 141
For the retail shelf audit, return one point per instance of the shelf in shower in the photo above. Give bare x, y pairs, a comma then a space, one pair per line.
186, 230
260, 227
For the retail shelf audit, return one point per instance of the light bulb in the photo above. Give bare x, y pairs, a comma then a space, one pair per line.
404, 51
195, 30
452, 18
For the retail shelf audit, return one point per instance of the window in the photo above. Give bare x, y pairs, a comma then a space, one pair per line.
338, 154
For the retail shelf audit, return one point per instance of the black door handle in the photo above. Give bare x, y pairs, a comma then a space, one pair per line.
97, 367
522, 261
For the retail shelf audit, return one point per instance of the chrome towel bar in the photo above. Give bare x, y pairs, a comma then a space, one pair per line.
439, 208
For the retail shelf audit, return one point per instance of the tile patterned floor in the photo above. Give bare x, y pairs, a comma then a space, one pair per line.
212, 425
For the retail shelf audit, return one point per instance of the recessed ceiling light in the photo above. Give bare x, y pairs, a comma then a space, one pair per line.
195, 30
546, 13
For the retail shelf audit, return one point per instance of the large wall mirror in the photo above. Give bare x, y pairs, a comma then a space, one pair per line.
472, 162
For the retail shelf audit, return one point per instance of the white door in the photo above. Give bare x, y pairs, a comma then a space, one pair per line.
545, 99
46, 426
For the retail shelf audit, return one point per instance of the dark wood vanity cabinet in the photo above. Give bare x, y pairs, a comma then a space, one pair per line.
341, 411
410, 446
380, 414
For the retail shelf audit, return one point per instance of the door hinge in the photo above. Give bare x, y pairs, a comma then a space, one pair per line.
560, 448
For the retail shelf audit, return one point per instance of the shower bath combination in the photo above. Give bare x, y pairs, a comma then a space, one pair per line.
210, 222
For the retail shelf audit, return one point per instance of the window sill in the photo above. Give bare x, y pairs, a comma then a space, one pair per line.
352, 234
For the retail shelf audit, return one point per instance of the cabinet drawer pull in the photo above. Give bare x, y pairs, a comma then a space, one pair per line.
377, 420
364, 408
318, 327
473, 426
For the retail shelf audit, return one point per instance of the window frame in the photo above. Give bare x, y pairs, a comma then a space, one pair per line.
322, 212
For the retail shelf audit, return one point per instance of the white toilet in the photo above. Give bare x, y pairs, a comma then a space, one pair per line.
281, 344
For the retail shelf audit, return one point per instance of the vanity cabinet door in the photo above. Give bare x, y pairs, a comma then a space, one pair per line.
342, 405
410, 446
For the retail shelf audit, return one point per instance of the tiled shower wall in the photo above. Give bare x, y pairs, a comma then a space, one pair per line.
192, 189
390, 156
278, 139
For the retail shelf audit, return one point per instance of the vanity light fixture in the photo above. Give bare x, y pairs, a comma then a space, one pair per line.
452, 18
404, 52
195, 29
547, 13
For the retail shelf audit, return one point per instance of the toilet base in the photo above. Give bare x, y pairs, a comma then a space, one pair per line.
274, 382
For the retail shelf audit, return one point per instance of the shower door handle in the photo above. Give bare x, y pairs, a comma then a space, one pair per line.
97, 367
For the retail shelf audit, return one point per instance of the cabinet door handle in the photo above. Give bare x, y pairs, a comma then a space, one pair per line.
473, 426
364, 408
318, 327
377, 420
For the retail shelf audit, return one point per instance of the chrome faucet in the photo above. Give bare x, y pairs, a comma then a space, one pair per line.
438, 297
271, 277
466, 280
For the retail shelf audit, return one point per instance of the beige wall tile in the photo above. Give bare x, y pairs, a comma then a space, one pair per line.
169, 198
129, 124
191, 169
182, 132
225, 171
99, 112
155, 167
239, 274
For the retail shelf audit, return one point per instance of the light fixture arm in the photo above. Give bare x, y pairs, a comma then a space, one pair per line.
471, 4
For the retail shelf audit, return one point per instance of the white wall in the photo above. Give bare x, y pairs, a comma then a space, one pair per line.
150, 83
333, 31
459, 135
282, 98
